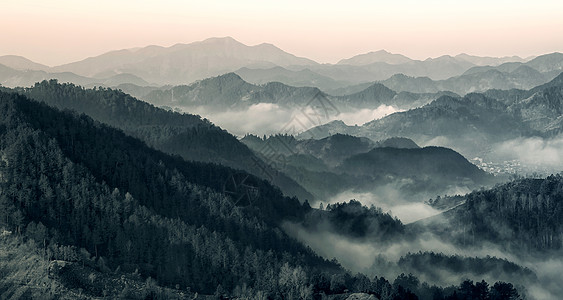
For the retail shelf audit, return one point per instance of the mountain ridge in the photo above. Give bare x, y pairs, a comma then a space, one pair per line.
188, 136
184, 63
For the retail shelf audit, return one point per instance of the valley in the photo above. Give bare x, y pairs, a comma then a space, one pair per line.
219, 170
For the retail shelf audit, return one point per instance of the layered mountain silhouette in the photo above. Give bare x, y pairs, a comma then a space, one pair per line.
434, 162
503, 215
510, 75
100, 202
115, 197
183, 64
231, 92
24, 77
299, 78
471, 123
96, 213
375, 57
182, 134
21, 63
339, 163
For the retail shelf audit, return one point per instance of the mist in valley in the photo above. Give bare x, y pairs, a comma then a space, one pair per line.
271, 118
522, 156
222, 152
390, 200
535, 154
535, 276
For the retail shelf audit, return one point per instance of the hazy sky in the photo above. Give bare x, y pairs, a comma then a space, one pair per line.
59, 31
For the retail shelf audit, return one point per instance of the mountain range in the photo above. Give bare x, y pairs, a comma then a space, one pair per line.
103, 195
339, 163
101, 213
94, 199
506, 76
188, 136
471, 124
182, 64
230, 92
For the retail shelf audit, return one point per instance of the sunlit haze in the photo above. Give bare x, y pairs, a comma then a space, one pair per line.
57, 32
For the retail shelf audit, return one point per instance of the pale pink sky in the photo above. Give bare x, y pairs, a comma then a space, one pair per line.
53, 32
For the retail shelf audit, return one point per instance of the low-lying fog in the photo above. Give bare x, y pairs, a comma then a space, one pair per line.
524, 155
534, 151
376, 259
390, 201
520, 155
270, 118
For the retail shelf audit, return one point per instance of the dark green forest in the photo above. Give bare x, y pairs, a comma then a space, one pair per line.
186, 135
77, 192
524, 216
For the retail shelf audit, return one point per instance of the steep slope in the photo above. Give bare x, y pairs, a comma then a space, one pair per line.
182, 134
543, 111
523, 216
469, 124
111, 217
66, 273
540, 108
70, 181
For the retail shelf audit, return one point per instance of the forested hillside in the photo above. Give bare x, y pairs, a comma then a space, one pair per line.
339, 163
524, 216
84, 184
189, 136
92, 200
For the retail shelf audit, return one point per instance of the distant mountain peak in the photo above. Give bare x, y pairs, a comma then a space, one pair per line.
21, 63
186, 63
375, 91
225, 39
267, 45
398, 142
380, 56
230, 75
231, 79
401, 76
441, 58
382, 51
337, 122
487, 60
